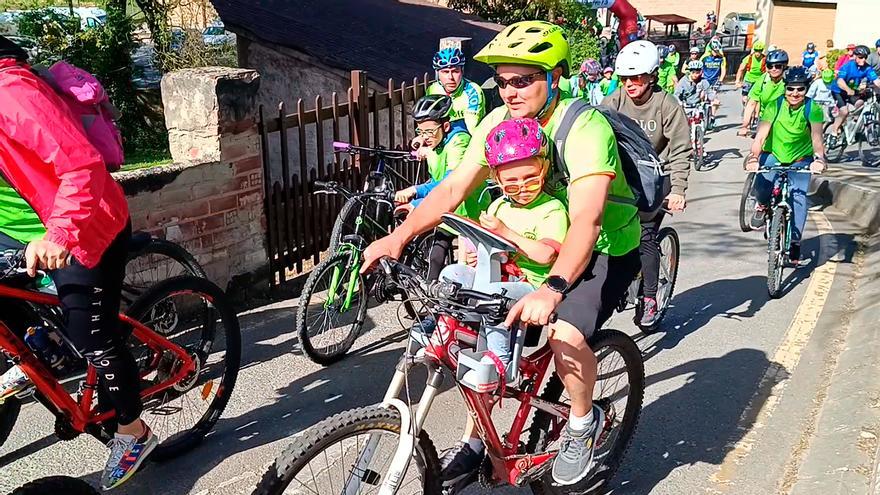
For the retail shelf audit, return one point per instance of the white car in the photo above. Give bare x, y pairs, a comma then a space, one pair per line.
217, 35
738, 23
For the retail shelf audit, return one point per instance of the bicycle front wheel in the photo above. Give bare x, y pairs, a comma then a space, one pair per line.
699, 152
619, 391
351, 453
834, 147
747, 202
776, 251
332, 309
670, 249
196, 315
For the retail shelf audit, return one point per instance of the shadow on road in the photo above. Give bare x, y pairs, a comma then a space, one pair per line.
698, 422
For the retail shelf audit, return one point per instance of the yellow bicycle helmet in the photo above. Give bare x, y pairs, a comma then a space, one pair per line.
758, 46
538, 43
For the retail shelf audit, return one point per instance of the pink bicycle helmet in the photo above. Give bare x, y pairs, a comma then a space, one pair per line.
516, 139
590, 66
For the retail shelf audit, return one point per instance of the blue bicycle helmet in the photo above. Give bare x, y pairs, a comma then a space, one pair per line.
662, 52
877, 43
777, 57
448, 57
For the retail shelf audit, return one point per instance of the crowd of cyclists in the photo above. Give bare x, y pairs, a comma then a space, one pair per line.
551, 182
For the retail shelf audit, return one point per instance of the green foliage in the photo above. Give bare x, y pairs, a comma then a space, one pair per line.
584, 45
104, 51
833, 55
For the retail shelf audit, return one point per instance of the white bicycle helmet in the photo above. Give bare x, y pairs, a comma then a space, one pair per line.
638, 57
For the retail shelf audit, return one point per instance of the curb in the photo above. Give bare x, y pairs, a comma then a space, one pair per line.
860, 203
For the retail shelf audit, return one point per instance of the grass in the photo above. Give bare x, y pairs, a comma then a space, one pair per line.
146, 159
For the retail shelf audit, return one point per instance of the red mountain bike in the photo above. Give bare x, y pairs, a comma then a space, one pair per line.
185, 338
384, 446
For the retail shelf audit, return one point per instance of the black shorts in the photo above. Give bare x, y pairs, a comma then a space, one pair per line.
593, 297
842, 99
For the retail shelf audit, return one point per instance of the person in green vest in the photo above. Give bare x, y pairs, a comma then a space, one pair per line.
667, 77
766, 89
442, 144
674, 57
751, 69
609, 82
468, 100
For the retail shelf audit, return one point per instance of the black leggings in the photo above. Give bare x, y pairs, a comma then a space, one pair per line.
649, 250
90, 307
439, 255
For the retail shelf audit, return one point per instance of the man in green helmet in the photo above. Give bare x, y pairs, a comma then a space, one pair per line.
599, 256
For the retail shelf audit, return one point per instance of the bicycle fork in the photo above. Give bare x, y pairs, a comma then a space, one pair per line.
410, 426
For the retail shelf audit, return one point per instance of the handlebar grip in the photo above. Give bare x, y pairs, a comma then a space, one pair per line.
320, 183
340, 146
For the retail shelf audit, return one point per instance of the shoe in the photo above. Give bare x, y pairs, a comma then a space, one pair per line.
794, 257
649, 312
127, 453
574, 462
458, 463
759, 217
12, 382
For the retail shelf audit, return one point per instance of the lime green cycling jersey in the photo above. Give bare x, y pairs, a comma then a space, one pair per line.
765, 91
666, 76
446, 160
544, 219
755, 68
591, 149
789, 138
468, 102
18, 219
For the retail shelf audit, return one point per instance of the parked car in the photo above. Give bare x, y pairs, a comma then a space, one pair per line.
217, 35
9, 22
738, 23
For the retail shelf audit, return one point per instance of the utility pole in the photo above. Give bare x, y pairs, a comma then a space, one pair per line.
718, 9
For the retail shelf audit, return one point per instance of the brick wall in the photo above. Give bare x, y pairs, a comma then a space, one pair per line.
215, 210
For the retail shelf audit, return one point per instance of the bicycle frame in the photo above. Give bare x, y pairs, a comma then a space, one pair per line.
79, 413
779, 198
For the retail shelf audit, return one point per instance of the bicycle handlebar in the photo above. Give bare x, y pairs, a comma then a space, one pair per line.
343, 147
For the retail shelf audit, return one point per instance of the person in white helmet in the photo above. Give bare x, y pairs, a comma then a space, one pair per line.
662, 118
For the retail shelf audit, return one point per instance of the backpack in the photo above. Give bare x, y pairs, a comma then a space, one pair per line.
641, 164
87, 99
749, 60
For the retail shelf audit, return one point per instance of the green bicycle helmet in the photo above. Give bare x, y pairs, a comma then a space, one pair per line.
759, 46
537, 43
827, 75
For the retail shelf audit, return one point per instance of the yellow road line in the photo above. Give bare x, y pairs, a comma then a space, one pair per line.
785, 359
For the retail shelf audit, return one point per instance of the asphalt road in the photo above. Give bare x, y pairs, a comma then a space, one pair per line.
702, 371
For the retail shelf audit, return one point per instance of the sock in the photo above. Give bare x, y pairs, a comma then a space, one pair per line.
580, 423
475, 444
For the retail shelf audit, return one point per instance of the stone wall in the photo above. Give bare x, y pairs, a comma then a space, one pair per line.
211, 199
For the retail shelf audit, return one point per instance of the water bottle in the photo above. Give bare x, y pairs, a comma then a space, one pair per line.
46, 348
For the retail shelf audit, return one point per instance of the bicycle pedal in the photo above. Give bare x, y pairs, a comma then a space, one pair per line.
26, 393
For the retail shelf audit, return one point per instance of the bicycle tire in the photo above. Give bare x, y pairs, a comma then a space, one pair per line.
343, 225
336, 428
675, 256
698, 154
776, 252
834, 154
55, 485
747, 202
182, 442
161, 247
10, 408
416, 255
541, 424
323, 269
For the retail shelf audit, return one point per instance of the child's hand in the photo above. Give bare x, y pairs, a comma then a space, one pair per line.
494, 224
470, 258
417, 142
405, 195
422, 152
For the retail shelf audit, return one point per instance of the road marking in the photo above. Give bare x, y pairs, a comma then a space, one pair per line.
784, 361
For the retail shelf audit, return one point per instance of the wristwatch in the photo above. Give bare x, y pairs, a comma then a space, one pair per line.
557, 284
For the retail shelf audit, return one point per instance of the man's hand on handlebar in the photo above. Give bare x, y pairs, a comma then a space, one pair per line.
676, 202
818, 166
391, 245
536, 308
45, 255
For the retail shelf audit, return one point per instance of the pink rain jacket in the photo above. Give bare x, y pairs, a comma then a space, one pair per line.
46, 157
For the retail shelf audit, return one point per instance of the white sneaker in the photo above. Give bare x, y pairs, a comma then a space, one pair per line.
12, 382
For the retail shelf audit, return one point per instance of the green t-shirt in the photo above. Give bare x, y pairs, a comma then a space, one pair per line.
766, 92
17, 219
756, 70
591, 149
447, 160
544, 218
609, 85
674, 58
468, 102
666, 76
789, 138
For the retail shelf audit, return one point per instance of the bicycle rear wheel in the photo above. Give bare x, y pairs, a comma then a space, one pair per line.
747, 202
156, 261
350, 453
206, 326
619, 390
332, 308
776, 251
699, 155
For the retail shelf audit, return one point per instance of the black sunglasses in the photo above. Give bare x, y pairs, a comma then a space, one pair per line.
777, 66
518, 82
796, 89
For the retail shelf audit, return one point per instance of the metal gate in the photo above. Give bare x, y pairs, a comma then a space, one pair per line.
297, 151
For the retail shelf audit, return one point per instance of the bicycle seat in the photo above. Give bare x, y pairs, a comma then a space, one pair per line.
139, 240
